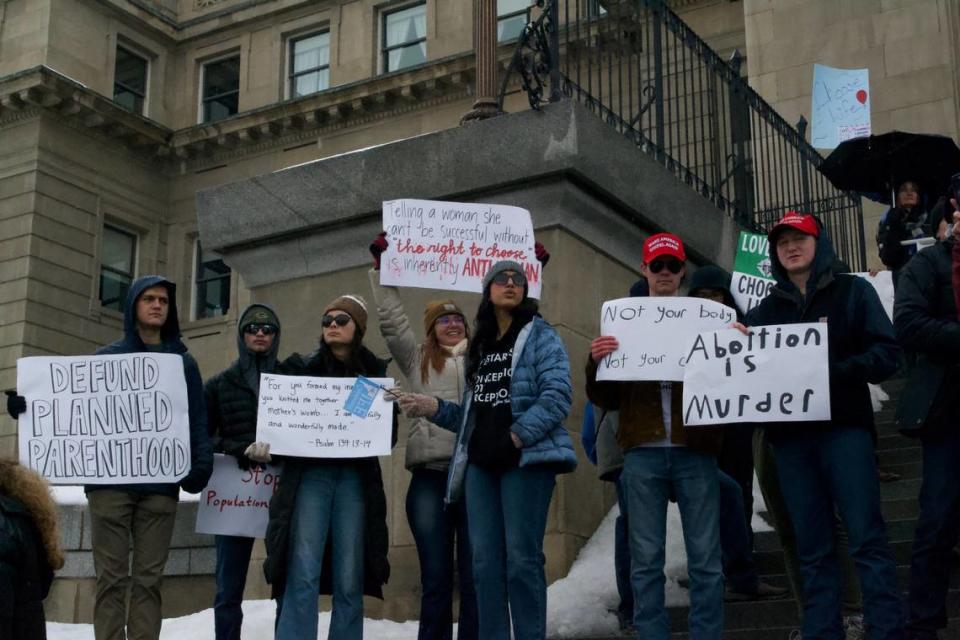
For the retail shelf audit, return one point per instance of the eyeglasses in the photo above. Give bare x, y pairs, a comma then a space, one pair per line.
253, 328
450, 319
513, 277
341, 319
674, 266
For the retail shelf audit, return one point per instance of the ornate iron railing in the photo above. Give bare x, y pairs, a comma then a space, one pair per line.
639, 67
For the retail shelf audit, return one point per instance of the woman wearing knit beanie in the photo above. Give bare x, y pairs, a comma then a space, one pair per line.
328, 516
29, 551
511, 443
435, 366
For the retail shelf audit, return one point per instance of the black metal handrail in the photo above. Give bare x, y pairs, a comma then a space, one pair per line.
639, 67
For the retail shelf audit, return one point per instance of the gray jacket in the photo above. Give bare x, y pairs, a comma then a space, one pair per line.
428, 445
609, 453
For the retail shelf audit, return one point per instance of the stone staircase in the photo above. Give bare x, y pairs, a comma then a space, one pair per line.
774, 620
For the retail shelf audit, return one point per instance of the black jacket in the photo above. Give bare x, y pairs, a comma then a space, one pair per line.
925, 317
376, 541
897, 225
25, 574
201, 454
232, 394
862, 347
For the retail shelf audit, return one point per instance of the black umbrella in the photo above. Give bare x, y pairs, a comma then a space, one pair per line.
875, 165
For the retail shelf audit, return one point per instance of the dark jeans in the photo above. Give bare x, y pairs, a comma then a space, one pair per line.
937, 531
736, 460
436, 530
507, 514
621, 556
233, 558
820, 470
736, 542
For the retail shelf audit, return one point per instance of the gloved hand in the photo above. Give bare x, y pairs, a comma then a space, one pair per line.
259, 452
418, 405
377, 247
542, 254
15, 404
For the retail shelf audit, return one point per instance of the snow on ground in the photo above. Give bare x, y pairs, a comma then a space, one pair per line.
577, 605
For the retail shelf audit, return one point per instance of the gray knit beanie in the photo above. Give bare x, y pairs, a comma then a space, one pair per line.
500, 267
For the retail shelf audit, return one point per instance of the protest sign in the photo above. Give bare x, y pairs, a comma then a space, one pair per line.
307, 417
841, 105
883, 283
752, 271
117, 419
778, 373
655, 333
236, 502
452, 245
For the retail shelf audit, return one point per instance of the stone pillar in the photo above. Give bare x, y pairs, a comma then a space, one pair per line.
485, 51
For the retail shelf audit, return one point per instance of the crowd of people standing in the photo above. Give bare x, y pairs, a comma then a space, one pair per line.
488, 401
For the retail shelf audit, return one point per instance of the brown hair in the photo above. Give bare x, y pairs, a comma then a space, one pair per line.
433, 354
28, 488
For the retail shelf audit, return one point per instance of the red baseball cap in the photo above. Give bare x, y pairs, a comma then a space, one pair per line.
803, 222
663, 244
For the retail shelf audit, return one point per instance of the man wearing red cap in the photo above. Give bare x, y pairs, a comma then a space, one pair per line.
830, 464
664, 459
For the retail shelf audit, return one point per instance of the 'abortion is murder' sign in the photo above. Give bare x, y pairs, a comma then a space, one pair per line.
451, 245
778, 373
654, 335
303, 416
113, 419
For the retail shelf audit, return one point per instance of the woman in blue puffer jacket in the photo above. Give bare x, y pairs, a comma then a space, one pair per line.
511, 444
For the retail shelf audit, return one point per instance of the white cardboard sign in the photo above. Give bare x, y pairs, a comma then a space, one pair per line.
110, 419
237, 502
654, 334
304, 416
779, 373
452, 245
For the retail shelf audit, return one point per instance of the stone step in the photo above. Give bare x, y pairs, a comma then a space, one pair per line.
900, 530
900, 456
769, 562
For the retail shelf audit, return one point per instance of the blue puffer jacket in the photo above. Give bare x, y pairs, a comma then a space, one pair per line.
201, 451
540, 397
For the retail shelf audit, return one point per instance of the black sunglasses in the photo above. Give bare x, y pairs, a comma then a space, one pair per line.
254, 327
503, 277
341, 319
674, 266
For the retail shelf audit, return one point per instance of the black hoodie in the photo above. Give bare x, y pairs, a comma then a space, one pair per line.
201, 454
862, 346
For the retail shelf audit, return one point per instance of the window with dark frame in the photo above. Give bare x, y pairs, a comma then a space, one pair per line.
404, 38
212, 285
130, 80
309, 64
595, 9
512, 17
221, 89
118, 255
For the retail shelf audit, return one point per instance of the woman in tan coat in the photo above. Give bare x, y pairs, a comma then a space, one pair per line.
435, 367
29, 551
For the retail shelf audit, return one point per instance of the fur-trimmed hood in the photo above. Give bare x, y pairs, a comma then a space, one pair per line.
25, 491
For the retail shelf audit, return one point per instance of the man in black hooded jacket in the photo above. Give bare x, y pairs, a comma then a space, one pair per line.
232, 420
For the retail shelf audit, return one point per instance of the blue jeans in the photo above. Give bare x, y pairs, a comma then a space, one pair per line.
329, 504
937, 531
650, 476
233, 558
735, 539
507, 516
434, 530
820, 470
621, 555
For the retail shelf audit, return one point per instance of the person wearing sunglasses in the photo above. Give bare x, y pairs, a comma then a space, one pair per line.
232, 398
511, 444
663, 459
435, 366
328, 518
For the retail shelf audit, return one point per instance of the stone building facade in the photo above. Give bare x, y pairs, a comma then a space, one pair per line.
115, 113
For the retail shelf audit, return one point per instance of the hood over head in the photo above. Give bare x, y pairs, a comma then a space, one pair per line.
253, 364
170, 332
821, 270
713, 277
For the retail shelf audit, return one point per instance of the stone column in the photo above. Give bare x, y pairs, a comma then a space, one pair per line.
485, 50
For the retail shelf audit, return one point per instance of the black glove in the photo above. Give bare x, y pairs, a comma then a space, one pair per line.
15, 404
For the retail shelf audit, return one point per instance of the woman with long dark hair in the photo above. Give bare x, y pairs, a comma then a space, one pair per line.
511, 444
435, 366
